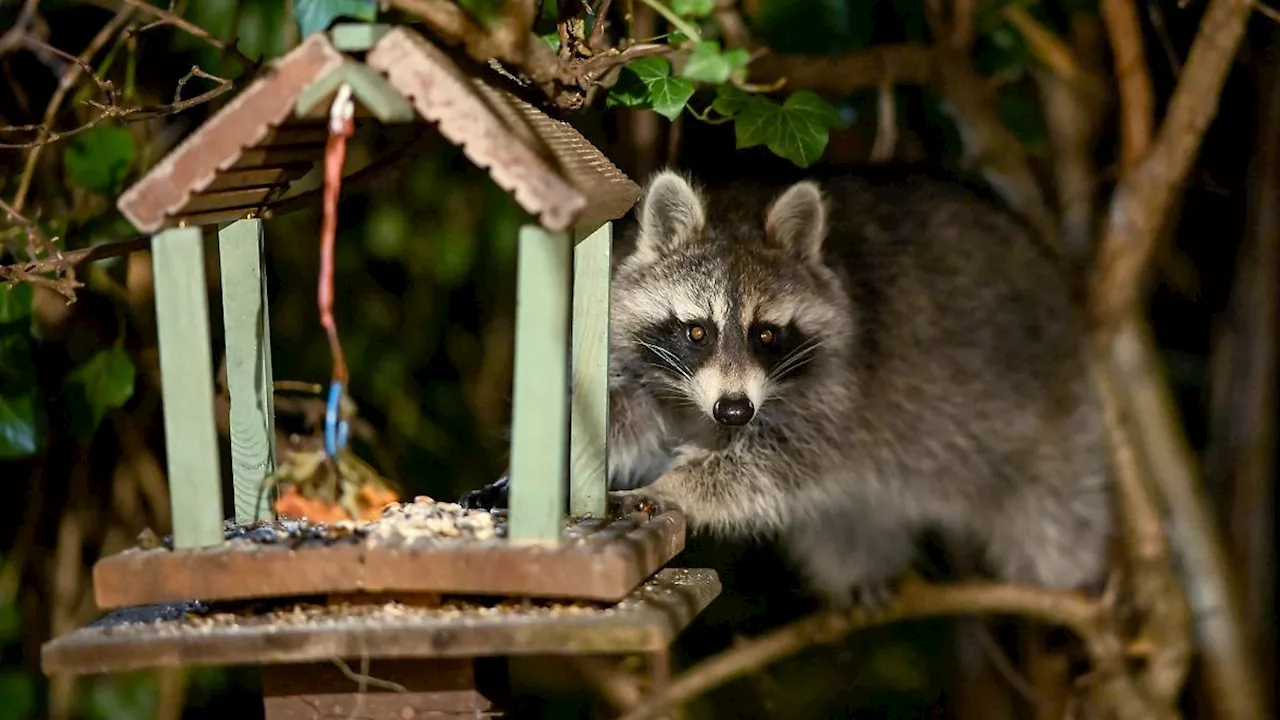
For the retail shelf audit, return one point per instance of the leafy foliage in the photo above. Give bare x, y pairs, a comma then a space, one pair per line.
797, 129
21, 417
315, 16
99, 158
101, 383
649, 84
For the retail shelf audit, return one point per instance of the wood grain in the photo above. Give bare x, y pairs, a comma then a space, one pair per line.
186, 372
589, 414
539, 425
249, 377
591, 561
647, 620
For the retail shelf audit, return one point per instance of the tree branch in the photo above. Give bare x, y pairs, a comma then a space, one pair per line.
1140, 204
1086, 618
1137, 104
69, 78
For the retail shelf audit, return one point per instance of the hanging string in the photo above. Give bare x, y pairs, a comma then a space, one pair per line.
341, 126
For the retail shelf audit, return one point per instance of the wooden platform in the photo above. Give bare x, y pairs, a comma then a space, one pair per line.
595, 560
648, 620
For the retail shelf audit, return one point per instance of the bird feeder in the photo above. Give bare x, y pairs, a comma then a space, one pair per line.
557, 545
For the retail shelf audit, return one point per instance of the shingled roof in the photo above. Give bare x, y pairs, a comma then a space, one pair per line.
242, 160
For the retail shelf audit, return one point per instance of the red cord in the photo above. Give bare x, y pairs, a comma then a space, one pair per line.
335, 153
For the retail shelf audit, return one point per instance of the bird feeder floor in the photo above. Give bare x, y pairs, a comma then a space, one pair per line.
594, 559
296, 632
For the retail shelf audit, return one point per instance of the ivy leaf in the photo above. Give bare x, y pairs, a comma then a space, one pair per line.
101, 383
754, 117
693, 8
99, 158
315, 16
650, 68
648, 82
707, 64
552, 39
670, 95
808, 104
21, 417
19, 430
796, 130
729, 100
629, 91
15, 303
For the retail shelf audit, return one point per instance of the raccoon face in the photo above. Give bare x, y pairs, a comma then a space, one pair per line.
728, 314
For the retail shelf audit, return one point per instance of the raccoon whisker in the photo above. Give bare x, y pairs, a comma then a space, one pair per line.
796, 359
669, 359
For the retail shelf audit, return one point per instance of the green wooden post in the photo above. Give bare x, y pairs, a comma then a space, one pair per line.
539, 426
589, 418
186, 371
249, 377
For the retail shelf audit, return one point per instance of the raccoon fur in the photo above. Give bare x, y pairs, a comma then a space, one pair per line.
846, 365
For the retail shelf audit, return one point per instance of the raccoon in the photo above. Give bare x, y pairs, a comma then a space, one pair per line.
846, 365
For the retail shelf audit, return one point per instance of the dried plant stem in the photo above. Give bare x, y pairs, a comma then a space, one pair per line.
1234, 686
1141, 203
1087, 619
1241, 454
70, 76
1137, 103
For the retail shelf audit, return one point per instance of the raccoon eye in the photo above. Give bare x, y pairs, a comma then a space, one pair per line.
696, 333
766, 336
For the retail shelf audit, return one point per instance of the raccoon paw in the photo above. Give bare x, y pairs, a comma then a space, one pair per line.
490, 497
625, 502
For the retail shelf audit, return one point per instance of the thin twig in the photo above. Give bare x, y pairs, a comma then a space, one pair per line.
1141, 203
364, 678
917, 600
1137, 103
69, 78
168, 17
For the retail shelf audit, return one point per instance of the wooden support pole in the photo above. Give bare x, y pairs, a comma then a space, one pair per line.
249, 377
539, 426
186, 371
589, 414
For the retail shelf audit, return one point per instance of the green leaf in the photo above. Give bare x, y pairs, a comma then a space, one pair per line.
807, 103
796, 130
648, 82
670, 95
634, 86
729, 100
10, 620
101, 383
650, 68
19, 692
314, 16
707, 64
487, 11
552, 39
754, 118
21, 411
693, 8
15, 303
99, 158
629, 91
19, 428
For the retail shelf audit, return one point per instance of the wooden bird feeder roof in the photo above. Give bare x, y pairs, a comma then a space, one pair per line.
244, 159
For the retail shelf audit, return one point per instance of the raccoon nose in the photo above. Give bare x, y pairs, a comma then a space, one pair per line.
733, 410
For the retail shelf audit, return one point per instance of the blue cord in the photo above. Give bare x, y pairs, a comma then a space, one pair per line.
335, 431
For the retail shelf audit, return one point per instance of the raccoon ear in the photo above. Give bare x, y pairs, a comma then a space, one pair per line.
797, 220
672, 214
